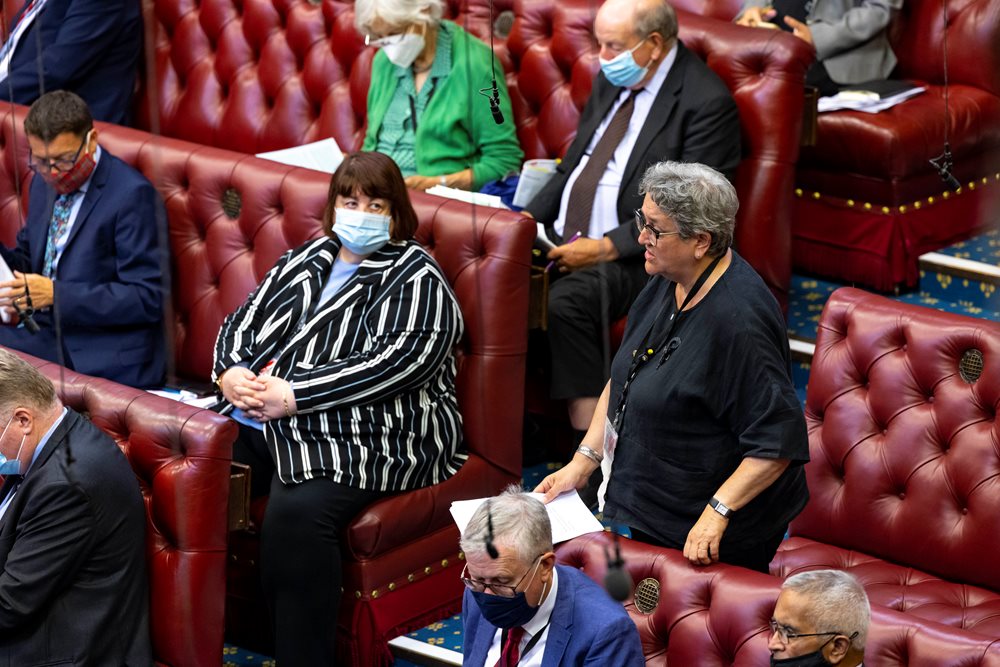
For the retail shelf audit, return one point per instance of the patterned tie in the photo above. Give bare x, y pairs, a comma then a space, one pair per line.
511, 652
580, 206
57, 230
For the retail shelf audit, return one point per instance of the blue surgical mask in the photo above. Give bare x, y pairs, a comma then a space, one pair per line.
503, 612
10, 466
623, 70
361, 233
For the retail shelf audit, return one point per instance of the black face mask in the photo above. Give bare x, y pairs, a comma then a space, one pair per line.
814, 659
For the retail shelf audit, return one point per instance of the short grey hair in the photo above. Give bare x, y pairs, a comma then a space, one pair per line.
22, 384
519, 522
697, 198
837, 602
397, 13
656, 17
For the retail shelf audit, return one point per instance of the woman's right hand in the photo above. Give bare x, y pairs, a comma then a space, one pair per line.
240, 387
573, 475
753, 16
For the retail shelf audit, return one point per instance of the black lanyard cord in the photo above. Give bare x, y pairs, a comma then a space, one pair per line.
644, 352
531, 642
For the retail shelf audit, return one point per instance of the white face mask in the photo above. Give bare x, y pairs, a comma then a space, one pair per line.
401, 50
361, 233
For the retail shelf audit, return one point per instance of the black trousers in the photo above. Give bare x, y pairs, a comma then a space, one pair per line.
582, 306
751, 555
300, 555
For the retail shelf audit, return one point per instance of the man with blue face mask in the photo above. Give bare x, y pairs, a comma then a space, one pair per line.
520, 608
73, 583
653, 100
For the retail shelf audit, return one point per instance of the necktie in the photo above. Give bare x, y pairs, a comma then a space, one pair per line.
580, 206
57, 229
511, 651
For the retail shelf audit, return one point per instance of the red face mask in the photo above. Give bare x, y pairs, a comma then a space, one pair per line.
70, 181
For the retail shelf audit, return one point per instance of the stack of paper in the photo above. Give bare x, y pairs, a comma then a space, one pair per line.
534, 175
870, 99
323, 155
569, 516
476, 198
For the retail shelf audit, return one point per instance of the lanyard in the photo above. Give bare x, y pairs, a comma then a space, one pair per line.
531, 642
645, 352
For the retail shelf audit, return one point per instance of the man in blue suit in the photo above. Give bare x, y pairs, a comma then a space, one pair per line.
87, 262
520, 608
90, 47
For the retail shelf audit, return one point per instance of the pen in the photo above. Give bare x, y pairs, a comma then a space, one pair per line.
548, 267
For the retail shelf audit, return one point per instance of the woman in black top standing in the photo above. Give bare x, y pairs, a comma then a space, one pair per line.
700, 422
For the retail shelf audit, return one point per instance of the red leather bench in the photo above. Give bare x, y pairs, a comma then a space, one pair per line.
719, 615
905, 472
253, 76
181, 457
230, 217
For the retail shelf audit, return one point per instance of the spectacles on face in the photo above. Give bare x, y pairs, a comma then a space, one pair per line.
654, 233
60, 164
785, 634
503, 590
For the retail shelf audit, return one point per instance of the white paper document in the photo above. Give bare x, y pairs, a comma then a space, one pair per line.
534, 175
323, 155
5, 275
475, 198
569, 516
858, 101
186, 397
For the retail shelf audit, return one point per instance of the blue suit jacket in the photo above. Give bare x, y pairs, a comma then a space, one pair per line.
90, 47
586, 628
108, 283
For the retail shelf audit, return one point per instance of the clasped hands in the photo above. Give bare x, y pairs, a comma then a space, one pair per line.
260, 397
40, 288
582, 253
753, 17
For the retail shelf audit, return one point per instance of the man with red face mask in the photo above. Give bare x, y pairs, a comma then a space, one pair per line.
87, 262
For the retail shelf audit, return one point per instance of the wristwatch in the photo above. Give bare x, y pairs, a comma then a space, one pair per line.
720, 507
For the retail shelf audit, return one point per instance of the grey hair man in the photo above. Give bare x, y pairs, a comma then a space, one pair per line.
820, 618
519, 604
73, 584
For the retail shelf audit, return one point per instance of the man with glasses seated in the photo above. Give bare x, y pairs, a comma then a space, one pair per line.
520, 608
820, 618
86, 265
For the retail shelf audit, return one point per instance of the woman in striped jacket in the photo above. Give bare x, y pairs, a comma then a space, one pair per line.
340, 369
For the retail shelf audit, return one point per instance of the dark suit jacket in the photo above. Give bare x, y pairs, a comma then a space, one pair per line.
73, 582
586, 628
693, 119
90, 47
108, 281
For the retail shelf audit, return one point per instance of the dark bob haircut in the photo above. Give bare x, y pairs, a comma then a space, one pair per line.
373, 175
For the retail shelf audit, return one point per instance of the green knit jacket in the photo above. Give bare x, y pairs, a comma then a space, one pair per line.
457, 129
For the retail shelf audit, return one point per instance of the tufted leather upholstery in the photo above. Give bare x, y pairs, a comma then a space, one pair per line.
905, 471
255, 75
181, 458
718, 615
405, 545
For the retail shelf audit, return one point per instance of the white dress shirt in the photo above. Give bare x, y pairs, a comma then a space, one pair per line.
538, 623
38, 450
10, 46
604, 217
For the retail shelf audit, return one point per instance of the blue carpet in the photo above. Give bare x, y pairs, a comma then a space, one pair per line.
982, 248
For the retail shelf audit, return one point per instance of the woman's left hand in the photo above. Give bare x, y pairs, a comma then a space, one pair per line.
461, 180
278, 399
702, 546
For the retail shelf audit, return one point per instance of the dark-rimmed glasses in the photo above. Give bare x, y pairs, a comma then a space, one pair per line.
785, 636
62, 165
654, 233
503, 590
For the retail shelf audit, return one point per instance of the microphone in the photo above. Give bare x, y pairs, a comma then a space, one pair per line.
27, 315
503, 24
495, 103
943, 164
490, 547
617, 581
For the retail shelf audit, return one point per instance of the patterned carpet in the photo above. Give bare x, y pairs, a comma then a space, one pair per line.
808, 295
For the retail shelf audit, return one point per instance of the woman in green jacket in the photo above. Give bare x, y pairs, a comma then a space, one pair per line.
424, 106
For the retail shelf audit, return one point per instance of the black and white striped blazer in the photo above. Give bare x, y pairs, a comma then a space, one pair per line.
373, 369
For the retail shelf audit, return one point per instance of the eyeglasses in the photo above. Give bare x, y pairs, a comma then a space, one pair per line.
62, 164
654, 233
503, 590
785, 636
